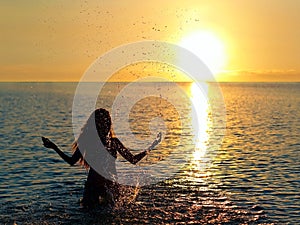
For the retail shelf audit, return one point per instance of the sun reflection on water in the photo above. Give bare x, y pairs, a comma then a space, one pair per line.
207, 129
200, 119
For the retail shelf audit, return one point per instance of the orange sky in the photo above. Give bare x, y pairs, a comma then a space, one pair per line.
58, 40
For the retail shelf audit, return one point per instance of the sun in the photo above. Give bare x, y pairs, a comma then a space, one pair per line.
208, 47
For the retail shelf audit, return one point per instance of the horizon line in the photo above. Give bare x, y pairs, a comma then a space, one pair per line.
36, 81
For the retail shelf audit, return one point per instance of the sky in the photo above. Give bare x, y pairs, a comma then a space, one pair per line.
250, 40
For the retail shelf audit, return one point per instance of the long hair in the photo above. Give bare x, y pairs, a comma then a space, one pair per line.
100, 119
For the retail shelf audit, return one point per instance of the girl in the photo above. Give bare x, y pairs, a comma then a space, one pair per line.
97, 186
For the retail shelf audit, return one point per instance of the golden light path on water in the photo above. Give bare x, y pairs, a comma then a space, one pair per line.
200, 119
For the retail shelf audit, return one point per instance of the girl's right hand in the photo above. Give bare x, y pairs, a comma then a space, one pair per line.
47, 143
156, 142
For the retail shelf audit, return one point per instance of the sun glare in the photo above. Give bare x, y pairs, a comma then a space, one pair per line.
208, 47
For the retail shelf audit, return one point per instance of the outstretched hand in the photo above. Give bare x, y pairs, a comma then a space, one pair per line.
47, 143
156, 141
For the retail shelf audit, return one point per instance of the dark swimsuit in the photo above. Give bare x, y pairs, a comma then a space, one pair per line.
99, 188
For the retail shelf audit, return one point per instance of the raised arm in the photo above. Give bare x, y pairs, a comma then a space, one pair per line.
69, 159
125, 153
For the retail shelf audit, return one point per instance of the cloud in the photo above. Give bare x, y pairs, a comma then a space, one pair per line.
290, 75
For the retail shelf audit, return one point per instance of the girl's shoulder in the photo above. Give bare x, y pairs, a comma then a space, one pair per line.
116, 142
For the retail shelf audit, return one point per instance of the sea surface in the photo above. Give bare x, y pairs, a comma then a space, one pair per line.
240, 166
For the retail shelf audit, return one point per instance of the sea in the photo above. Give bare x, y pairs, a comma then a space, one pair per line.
229, 152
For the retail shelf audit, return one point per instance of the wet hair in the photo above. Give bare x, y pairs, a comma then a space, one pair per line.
100, 119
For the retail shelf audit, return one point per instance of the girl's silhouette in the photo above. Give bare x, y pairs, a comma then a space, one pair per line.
99, 188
